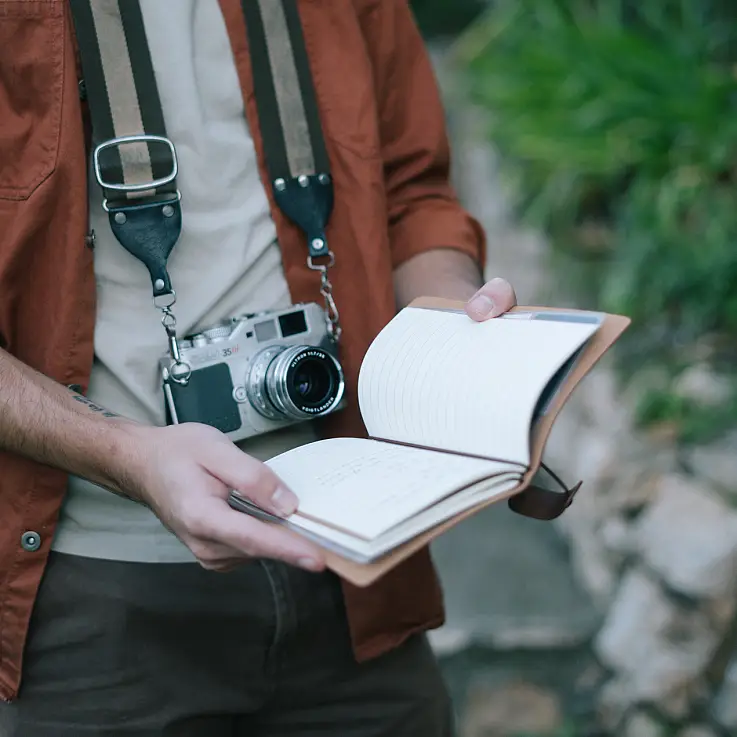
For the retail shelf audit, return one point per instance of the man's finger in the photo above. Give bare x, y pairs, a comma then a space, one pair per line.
493, 299
250, 477
257, 539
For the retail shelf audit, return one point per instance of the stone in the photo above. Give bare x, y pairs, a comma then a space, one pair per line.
663, 432
638, 479
593, 566
511, 709
725, 704
643, 725
591, 677
717, 463
594, 462
601, 400
614, 701
689, 537
648, 378
567, 433
700, 384
697, 730
617, 537
720, 611
703, 350
656, 649
621, 476
596, 459
637, 486
617, 697
448, 640
508, 584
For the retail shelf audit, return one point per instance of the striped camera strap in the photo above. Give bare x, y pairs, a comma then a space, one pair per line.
134, 159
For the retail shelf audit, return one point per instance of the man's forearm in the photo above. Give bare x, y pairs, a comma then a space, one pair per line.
442, 272
48, 423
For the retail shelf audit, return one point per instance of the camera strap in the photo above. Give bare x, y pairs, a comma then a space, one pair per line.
135, 162
294, 144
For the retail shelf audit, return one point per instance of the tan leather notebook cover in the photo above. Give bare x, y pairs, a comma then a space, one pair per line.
539, 503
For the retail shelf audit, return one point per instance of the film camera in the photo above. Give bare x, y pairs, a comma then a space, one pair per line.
257, 373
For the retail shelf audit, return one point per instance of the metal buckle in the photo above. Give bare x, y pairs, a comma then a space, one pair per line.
155, 183
176, 197
321, 267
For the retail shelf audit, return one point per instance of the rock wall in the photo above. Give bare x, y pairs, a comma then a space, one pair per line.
651, 538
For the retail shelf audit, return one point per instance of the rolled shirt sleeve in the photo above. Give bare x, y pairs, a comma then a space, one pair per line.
424, 211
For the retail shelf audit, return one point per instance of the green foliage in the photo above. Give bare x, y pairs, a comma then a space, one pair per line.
582, 99
676, 254
690, 421
617, 122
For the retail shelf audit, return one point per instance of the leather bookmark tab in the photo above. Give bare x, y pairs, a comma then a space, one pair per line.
542, 504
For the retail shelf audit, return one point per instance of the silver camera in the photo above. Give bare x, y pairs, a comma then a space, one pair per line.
257, 373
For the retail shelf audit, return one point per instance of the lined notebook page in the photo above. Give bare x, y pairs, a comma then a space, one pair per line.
361, 549
438, 379
367, 487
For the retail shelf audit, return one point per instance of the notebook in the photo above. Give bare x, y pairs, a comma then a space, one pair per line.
457, 414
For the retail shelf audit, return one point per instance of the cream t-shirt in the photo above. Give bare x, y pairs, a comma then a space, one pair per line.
225, 263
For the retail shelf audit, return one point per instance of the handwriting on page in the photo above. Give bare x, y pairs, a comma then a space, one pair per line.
367, 487
387, 464
336, 476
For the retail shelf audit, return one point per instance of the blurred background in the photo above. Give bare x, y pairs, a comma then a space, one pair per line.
596, 141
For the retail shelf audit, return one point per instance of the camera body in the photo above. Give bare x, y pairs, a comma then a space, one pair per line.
257, 373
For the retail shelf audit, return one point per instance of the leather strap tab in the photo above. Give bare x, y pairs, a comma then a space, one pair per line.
543, 504
308, 202
149, 231
289, 121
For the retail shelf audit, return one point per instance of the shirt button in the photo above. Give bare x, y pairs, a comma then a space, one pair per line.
30, 541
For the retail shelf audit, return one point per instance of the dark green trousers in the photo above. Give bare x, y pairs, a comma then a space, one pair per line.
133, 649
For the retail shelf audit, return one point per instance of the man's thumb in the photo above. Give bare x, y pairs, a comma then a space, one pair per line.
493, 299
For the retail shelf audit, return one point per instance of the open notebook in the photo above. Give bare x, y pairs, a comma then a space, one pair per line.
457, 413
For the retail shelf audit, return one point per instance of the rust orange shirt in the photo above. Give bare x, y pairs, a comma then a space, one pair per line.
386, 139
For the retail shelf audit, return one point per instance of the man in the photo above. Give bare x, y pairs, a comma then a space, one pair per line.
133, 600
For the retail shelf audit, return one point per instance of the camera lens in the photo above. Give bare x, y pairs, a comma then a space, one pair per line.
295, 383
311, 381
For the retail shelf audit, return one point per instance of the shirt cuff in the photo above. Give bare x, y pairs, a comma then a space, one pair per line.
433, 226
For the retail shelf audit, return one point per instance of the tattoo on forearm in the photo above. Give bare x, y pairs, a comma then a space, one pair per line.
92, 406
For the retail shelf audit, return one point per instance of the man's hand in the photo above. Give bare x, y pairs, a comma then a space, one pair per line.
444, 272
185, 473
493, 299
